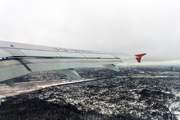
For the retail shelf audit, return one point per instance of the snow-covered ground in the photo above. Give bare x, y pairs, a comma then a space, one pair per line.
140, 97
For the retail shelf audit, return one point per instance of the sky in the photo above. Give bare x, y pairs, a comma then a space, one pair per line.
127, 26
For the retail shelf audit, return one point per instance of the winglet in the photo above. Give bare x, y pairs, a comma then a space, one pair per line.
138, 58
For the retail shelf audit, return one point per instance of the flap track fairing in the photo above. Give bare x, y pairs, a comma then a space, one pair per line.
71, 72
112, 67
9, 83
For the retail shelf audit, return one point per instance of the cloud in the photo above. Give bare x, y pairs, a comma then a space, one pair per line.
114, 26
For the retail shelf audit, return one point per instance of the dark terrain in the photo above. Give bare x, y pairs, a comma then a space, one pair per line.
149, 96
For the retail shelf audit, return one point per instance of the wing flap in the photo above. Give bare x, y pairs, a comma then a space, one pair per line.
4, 54
11, 69
56, 64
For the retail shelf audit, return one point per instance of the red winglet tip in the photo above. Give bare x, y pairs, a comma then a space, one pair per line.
138, 58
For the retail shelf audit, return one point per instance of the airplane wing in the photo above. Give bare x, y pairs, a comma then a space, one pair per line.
17, 59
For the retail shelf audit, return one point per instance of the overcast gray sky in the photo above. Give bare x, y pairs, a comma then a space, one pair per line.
128, 26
